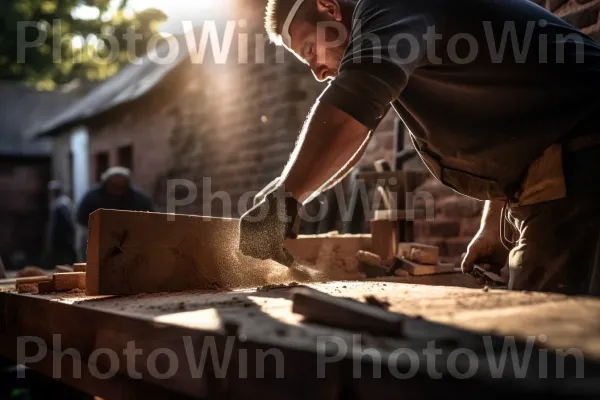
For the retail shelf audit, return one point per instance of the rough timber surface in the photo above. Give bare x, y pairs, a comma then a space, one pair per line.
262, 319
137, 252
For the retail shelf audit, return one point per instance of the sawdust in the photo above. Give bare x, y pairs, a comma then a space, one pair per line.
238, 271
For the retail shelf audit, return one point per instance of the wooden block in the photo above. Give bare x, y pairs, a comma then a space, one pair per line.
385, 238
79, 267
371, 264
419, 253
420, 269
139, 252
321, 308
64, 282
46, 287
332, 253
25, 287
369, 258
311, 248
373, 271
401, 273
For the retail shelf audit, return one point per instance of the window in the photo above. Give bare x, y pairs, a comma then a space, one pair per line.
125, 157
101, 164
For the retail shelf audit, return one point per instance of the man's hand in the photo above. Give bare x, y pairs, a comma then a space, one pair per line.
265, 227
486, 247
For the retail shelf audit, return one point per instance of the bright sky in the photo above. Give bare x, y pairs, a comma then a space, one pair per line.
176, 10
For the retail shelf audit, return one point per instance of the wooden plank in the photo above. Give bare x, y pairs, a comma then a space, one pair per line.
133, 253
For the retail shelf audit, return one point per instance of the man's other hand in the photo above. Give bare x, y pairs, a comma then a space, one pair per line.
265, 227
485, 248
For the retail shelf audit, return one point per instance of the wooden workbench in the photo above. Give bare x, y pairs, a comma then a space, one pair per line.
170, 330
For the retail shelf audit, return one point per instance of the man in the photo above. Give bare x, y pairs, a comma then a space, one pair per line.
500, 99
116, 192
61, 228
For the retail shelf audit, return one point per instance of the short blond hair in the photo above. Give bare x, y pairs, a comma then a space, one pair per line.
277, 11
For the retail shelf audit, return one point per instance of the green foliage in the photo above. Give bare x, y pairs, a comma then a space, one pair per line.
43, 44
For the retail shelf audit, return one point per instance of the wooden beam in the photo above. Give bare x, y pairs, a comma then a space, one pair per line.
137, 252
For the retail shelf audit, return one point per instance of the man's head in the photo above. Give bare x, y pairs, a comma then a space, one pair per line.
116, 181
55, 189
316, 31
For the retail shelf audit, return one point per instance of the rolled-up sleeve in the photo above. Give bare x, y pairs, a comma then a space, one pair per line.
388, 41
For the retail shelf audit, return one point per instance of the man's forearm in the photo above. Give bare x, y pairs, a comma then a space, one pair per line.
330, 144
491, 217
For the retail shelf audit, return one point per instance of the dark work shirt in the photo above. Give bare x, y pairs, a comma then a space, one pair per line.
500, 82
98, 198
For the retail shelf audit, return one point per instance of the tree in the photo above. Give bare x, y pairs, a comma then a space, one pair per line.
43, 44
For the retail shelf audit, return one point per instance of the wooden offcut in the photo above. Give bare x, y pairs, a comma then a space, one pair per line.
46, 287
419, 253
416, 269
27, 287
322, 308
369, 258
372, 265
79, 267
64, 282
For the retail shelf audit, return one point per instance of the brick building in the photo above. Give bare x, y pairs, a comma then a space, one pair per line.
228, 122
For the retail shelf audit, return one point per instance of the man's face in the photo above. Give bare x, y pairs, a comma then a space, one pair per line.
321, 46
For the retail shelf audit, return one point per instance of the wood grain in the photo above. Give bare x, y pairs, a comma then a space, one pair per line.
138, 252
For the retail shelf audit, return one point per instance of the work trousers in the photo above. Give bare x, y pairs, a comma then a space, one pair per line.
557, 247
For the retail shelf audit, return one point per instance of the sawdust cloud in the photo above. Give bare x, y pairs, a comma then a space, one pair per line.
247, 272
